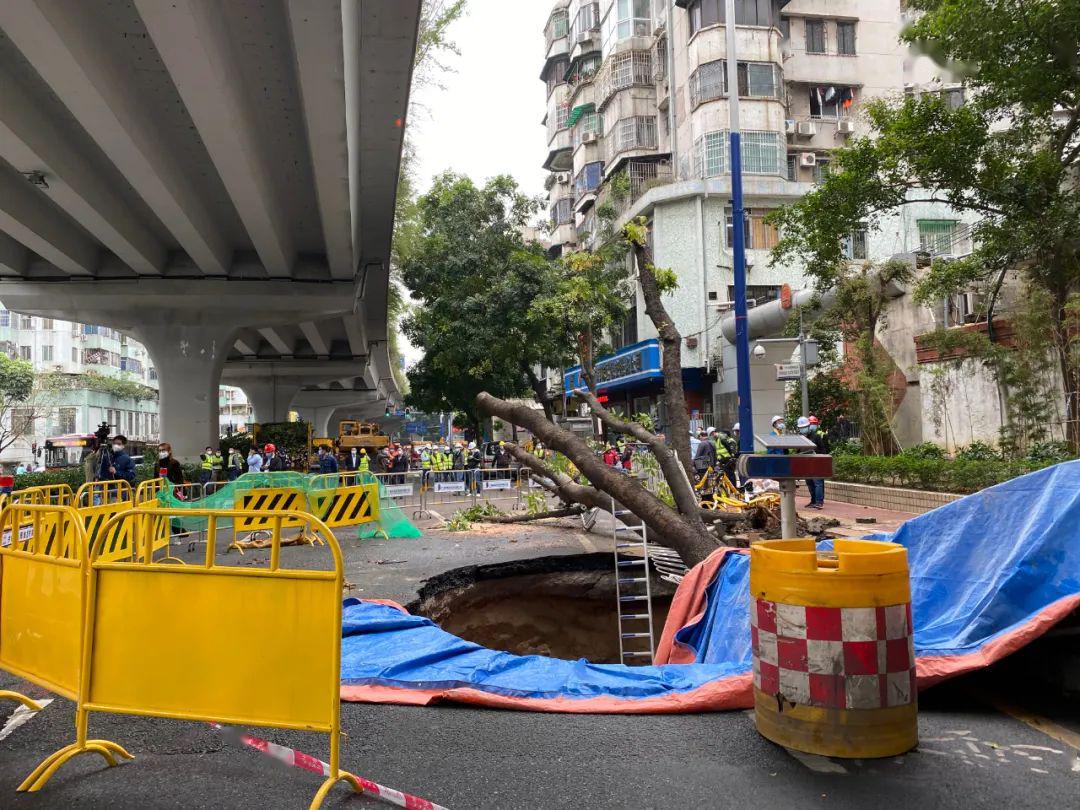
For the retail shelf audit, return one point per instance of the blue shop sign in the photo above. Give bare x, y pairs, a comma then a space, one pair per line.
631, 364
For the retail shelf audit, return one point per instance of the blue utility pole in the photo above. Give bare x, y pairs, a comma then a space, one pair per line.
742, 336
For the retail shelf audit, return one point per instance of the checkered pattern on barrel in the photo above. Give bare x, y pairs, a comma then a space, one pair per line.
840, 658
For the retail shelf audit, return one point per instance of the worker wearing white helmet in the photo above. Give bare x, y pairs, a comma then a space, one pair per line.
803, 424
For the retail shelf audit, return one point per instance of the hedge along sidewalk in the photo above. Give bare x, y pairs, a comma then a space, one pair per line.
931, 474
74, 477
892, 499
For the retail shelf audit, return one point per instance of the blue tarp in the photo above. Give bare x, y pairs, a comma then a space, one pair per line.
988, 573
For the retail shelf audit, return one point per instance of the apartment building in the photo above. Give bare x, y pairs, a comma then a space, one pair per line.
637, 119
83, 358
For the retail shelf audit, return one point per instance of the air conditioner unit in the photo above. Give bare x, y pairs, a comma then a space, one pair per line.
789, 126
807, 159
845, 126
807, 128
589, 137
584, 36
562, 177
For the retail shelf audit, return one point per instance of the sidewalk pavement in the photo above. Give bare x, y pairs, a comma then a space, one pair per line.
885, 520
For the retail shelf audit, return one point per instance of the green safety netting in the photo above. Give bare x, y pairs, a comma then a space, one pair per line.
391, 520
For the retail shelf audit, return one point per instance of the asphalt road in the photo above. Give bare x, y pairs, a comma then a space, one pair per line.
970, 754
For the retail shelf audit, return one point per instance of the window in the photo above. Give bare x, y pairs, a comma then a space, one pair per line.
634, 20
704, 13
22, 421
66, 419
756, 80
5, 318
74, 354
637, 132
845, 38
821, 169
587, 19
758, 234
830, 101
562, 212
707, 83
761, 153
26, 353
815, 36
954, 97
756, 294
942, 237
96, 357
26, 322
46, 354
589, 122
556, 73
785, 27
793, 167
588, 179
854, 244
558, 25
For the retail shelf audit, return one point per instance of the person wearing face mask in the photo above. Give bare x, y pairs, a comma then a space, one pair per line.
274, 461
168, 466
121, 467
777, 430
821, 445
254, 460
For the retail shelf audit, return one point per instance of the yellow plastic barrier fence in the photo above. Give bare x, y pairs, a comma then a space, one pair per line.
345, 505
282, 670
345, 478
56, 494
831, 635
43, 587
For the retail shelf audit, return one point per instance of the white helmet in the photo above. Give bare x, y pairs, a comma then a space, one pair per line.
735, 428
776, 419
802, 422
472, 445
711, 431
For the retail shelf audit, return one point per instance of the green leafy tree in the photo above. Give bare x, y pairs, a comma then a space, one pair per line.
476, 281
1009, 156
17, 409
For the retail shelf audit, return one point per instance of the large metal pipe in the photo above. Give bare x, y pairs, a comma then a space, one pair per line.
770, 319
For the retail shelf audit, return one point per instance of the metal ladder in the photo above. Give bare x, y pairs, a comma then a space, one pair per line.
633, 597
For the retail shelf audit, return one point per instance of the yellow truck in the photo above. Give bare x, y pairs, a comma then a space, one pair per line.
361, 435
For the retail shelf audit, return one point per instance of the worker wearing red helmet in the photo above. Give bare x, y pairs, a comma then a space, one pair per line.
275, 462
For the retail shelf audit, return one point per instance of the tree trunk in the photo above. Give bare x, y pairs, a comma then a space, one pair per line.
670, 357
686, 534
540, 392
570, 511
1070, 373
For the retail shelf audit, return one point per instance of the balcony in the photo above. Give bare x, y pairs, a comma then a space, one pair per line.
821, 68
561, 212
626, 186
636, 133
585, 31
560, 157
587, 182
623, 70
555, 33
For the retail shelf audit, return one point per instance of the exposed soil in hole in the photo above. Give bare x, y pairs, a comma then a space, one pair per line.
561, 606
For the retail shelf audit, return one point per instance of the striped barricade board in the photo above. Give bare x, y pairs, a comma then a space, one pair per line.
267, 499
346, 506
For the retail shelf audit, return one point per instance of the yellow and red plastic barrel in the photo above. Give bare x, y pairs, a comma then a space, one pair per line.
834, 663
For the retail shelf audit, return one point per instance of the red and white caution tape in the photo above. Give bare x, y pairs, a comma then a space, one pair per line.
298, 759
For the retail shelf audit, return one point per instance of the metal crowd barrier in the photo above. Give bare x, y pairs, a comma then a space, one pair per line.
406, 490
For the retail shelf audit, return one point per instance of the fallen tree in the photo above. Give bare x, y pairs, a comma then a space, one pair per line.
582, 304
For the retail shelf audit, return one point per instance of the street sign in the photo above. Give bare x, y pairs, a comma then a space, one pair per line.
449, 486
788, 371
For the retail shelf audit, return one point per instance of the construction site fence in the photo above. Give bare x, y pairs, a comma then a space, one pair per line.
503, 487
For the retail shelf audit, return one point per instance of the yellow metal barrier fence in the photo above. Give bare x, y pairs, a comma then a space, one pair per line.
282, 671
147, 491
55, 494
43, 588
101, 493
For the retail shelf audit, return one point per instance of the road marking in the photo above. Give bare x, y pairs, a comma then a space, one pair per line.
1039, 723
19, 717
816, 762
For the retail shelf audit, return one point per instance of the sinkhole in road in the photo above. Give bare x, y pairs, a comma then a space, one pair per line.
559, 606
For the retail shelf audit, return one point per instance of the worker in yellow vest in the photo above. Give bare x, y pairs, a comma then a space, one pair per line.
363, 465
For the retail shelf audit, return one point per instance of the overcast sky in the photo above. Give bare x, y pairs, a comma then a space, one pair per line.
487, 119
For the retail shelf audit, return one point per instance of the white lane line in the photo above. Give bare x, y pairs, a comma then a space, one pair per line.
19, 717
816, 762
